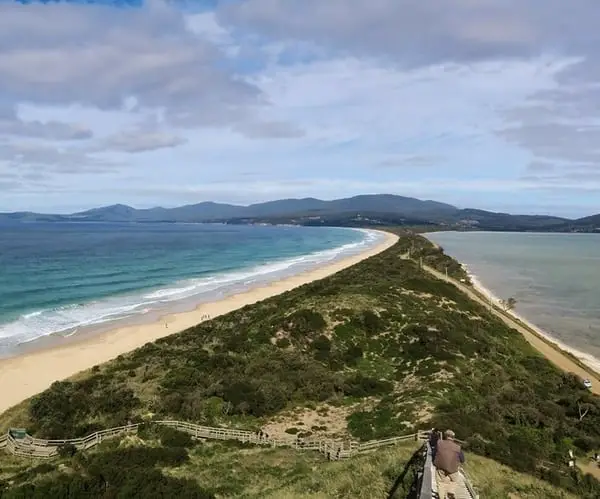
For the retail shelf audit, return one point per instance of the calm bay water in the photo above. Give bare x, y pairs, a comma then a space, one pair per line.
60, 277
554, 277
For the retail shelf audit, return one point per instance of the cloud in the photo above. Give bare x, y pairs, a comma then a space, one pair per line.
427, 34
409, 161
559, 141
424, 32
465, 100
413, 33
51, 130
135, 141
540, 167
102, 56
12, 124
28, 156
269, 130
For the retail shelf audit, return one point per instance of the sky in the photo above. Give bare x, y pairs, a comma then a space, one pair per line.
491, 104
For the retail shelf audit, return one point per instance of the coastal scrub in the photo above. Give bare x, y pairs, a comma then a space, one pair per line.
400, 349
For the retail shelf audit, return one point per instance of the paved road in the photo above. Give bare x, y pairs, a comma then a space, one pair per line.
553, 354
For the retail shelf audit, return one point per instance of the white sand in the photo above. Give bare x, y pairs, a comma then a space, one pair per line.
24, 376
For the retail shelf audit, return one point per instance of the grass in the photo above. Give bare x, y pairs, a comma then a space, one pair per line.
229, 470
496, 481
396, 348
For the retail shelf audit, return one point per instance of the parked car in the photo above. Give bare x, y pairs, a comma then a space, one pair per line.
587, 383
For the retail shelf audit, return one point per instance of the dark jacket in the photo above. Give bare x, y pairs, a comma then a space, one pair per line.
433, 440
448, 456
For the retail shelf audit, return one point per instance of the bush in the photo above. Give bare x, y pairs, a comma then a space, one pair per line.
364, 386
283, 342
170, 437
371, 322
389, 320
305, 322
352, 355
67, 450
121, 473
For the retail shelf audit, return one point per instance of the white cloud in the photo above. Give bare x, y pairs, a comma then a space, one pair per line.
133, 141
438, 99
93, 55
53, 130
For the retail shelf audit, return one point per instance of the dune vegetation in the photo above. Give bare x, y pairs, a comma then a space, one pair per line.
152, 466
379, 349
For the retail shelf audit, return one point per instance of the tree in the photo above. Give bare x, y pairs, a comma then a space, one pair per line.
583, 409
509, 303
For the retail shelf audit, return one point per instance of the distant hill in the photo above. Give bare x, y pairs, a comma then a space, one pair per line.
209, 211
372, 209
505, 221
586, 224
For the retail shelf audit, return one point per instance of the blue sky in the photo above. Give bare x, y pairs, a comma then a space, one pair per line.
492, 104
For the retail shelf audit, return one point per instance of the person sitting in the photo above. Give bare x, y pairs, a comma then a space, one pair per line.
448, 458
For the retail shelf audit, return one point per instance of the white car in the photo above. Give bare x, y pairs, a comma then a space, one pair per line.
587, 383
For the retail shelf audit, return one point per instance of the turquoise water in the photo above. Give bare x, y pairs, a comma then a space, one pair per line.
56, 278
554, 277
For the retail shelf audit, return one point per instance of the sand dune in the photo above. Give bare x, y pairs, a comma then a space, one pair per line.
24, 376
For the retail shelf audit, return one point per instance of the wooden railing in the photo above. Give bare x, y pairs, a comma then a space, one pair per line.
428, 485
29, 446
427, 482
334, 449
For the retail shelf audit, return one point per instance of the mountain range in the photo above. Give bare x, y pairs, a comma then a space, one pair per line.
375, 209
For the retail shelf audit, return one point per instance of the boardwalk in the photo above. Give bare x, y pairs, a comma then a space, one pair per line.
19, 443
429, 488
26, 445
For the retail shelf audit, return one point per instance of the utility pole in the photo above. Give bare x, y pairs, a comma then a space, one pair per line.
446, 269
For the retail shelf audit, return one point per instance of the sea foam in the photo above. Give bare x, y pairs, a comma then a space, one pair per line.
69, 319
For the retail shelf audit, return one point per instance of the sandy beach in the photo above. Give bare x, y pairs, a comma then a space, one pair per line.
590, 361
25, 375
534, 336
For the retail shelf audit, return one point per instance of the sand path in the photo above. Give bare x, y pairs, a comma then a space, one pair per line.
26, 375
551, 352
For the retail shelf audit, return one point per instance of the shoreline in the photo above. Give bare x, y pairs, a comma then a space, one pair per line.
30, 373
589, 361
40, 327
563, 356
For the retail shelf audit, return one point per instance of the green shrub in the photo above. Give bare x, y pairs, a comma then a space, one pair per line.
364, 386
67, 450
432, 346
305, 322
170, 437
283, 342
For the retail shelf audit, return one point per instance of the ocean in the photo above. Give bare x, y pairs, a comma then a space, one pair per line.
555, 279
56, 278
